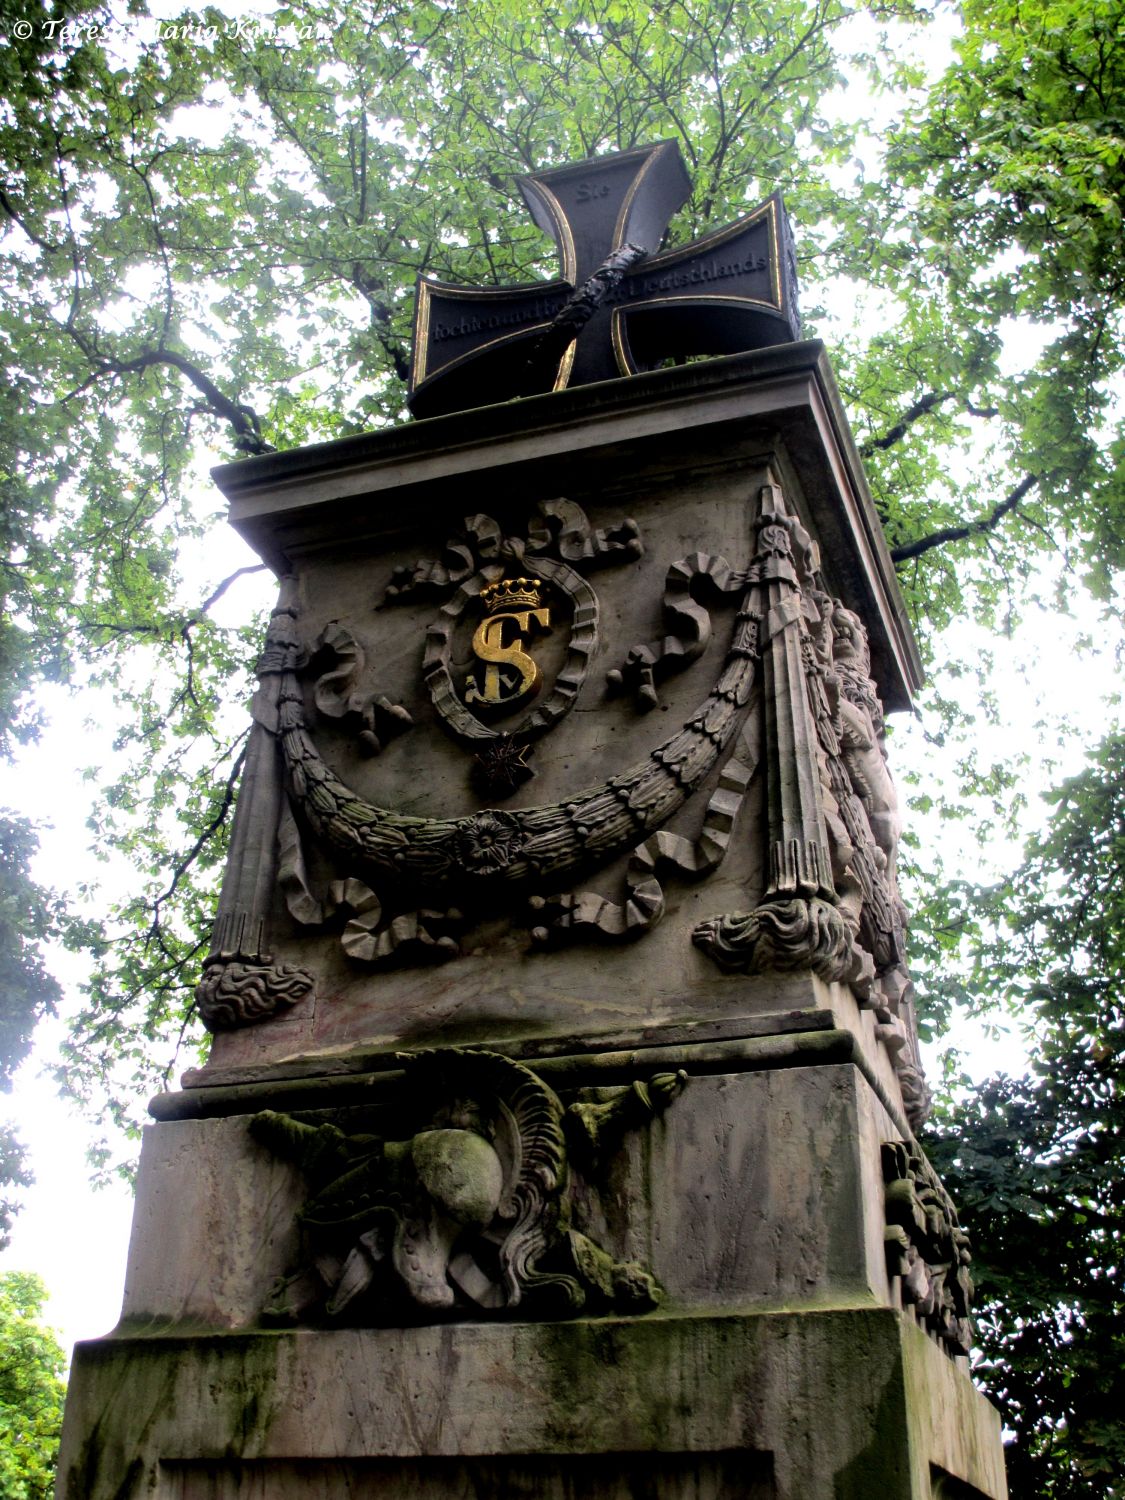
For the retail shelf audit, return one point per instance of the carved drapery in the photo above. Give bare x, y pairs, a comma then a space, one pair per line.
241, 983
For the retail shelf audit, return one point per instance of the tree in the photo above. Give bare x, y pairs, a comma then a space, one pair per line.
27, 990
165, 294
1037, 1163
31, 1390
212, 231
1014, 182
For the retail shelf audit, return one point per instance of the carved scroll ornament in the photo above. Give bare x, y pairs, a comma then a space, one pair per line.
338, 694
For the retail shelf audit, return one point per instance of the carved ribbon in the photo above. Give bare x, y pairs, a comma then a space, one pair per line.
539, 843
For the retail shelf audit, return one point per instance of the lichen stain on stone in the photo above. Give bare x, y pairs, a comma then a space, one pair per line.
150, 1387
882, 1466
253, 1403
574, 1360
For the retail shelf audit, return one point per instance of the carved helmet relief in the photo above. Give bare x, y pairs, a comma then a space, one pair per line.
467, 1216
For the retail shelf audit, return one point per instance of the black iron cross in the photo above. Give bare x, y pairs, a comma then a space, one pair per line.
618, 307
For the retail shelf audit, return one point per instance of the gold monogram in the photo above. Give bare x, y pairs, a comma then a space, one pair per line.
509, 674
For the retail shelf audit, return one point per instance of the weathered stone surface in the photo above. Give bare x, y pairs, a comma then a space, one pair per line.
754, 1189
646, 825
819, 1403
658, 1476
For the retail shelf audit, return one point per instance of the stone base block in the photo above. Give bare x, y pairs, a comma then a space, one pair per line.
754, 1188
811, 1403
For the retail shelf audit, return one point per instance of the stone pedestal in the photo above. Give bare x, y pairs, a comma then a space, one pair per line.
557, 1135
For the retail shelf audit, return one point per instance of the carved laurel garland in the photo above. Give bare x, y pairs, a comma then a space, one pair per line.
546, 843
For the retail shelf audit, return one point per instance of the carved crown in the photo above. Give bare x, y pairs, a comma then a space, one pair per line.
511, 593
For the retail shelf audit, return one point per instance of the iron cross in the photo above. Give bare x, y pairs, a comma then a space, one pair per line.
618, 307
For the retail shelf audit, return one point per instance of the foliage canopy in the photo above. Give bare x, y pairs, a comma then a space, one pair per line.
1037, 1163
211, 229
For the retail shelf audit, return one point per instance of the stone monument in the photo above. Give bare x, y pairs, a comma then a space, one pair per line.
557, 1135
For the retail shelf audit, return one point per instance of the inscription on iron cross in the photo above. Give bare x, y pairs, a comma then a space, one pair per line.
618, 307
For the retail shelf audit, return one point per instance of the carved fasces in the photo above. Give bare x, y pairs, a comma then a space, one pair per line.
800, 922
467, 1216
927, 1250
832, 812
241, 984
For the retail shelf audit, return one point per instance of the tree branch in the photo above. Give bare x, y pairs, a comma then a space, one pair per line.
973, 528
183, 865
217, 593
915, 413
921, 408
7, 207
242, 418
